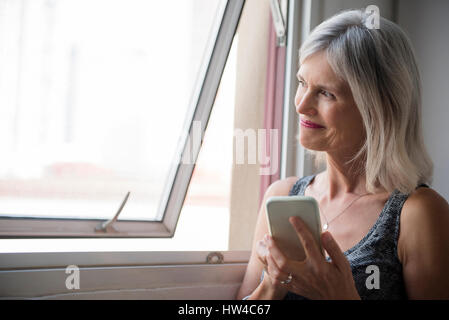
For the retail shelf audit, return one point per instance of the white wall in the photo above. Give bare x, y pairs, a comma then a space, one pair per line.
331, 7
428, 27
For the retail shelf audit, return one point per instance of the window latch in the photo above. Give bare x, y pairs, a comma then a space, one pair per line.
107, 225
214, 258
278, 22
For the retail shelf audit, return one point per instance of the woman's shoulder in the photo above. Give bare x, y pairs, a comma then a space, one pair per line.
284, 186
281, 187
423, 200
424, 205
423, 246
424, 218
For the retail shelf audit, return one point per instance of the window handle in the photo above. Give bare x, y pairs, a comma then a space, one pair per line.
278, 22
107, 225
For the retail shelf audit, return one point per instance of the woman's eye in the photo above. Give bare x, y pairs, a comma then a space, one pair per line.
301, 83
327, 94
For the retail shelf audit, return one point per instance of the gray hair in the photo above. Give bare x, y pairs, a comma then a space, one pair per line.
379, 66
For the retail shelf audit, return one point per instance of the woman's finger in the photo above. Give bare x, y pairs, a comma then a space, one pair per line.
279, 258
262, 251
334, 251
274, 272
308, 241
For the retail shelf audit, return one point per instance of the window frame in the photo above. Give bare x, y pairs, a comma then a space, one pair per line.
31, 260
302, 15
180, 174
136, 275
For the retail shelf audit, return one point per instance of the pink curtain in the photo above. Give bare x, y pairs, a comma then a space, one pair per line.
274, 99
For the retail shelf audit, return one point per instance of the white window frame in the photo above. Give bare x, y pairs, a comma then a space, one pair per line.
180, 174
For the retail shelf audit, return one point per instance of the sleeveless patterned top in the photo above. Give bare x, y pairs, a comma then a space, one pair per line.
378, 248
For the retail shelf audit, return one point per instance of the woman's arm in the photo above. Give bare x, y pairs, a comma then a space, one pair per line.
251, 281
423, 245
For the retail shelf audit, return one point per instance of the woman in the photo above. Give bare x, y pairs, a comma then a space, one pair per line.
359, 104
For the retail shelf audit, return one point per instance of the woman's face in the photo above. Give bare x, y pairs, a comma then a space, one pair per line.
324, 99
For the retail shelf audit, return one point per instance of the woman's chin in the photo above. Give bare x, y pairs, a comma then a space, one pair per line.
311, 145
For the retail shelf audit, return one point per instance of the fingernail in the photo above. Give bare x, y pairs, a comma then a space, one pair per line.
296, 222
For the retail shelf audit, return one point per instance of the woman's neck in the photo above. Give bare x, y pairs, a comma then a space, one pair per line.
342, 179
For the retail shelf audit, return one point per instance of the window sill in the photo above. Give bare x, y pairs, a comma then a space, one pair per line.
34, 260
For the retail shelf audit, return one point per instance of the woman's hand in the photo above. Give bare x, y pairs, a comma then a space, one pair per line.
314, 277
273, 289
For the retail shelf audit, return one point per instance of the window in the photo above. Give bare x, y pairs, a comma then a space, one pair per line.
214, 208
98, 109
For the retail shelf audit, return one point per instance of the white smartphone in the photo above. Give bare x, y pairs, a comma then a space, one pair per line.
279, 209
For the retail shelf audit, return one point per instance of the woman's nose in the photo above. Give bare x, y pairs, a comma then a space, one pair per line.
304, 103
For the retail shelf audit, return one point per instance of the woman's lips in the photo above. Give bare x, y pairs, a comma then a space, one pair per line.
309, 124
